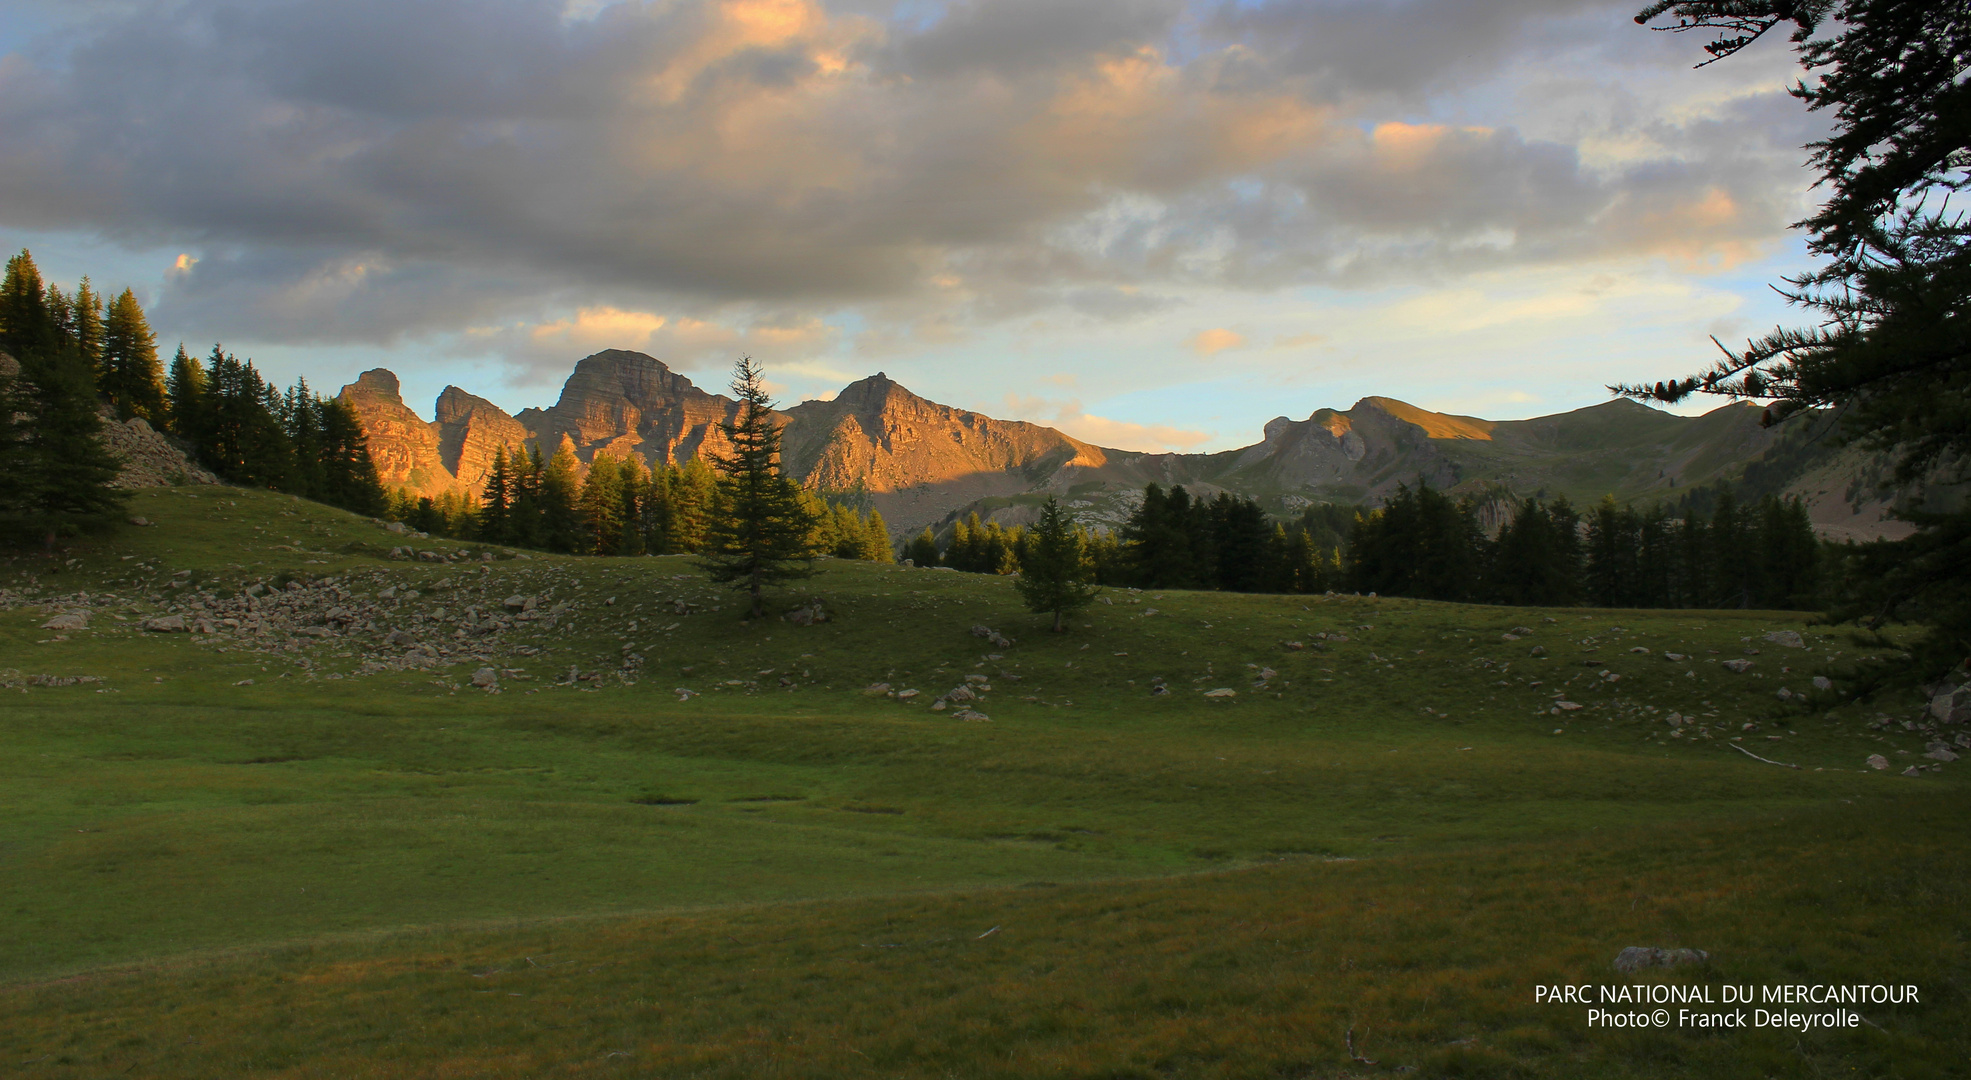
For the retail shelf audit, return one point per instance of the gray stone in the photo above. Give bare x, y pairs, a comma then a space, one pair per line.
807, 615
1912, 771
68, 620
1789, 639
1740, 666
1878, 762
1940, 751
141, 522
1822, 682
1222, 692
969, 714
960, 693
486, 678
519, 603
166, 624
1952, 706
880, 689
1638, 958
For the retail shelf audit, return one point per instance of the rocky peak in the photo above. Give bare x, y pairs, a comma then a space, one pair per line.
376, 384
470, 430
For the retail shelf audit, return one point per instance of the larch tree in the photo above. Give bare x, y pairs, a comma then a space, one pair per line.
127, 371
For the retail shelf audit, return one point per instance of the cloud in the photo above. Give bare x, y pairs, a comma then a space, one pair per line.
1215, 341
1070, 417
370, 170
1298, 341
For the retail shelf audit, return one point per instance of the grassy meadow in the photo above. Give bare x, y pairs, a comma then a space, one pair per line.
676, 843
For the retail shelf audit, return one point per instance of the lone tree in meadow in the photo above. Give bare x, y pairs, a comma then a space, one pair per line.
1051, 575
758, 533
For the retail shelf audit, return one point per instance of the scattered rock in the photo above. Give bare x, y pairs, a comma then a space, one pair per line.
1640, 651
880, 689
1789, 639
906, 695
1564, 706
969, 714
63, 680
993, 636
1822, 682
1522, 631
486, 678
141, 522
1740, 666
1938, 750
939, 705
1637, 958
1912, 771
68, 620
1539, 650
166, 624
959, 693
398, 637
1784, 694
1877, 761
1509, 637
1222, 692
1675, 656
1294, 645
519, 603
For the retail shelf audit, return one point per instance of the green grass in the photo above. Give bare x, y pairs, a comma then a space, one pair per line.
305, 876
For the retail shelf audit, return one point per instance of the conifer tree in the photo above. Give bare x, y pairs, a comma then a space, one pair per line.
56, 476
1053, 578
185, 397
495, 501
923, 551
600, 507
349, 476
561, 524
760, 534
877, 546
86, 325
128, 373
632, 487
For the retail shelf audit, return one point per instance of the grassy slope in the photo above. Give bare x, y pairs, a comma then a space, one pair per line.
180, 828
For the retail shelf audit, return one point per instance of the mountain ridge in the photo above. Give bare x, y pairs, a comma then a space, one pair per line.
923, 463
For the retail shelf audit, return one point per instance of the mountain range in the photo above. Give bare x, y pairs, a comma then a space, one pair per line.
923, 464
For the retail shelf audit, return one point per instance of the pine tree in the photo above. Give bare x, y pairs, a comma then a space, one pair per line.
760, 534
495, 501
129, 375
349, 476
56, 476
185, 397
1054, 578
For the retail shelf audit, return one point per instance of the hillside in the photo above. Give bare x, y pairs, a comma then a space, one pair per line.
465, 811
922, 463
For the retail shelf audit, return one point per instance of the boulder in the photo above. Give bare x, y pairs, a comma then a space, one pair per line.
1565, 706
486, 678
880, 689
807, 614
992, 636
969, 714
1638, 958
1939, 750
1539, 650
398, 637
519, 603
1952, 706
959, 693
1788, 639
166, 624
1822, 682
1912, 771
1740, 666
1222, 692
1878, 762
141, 522
68, 620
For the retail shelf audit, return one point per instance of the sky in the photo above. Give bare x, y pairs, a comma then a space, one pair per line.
1152, 224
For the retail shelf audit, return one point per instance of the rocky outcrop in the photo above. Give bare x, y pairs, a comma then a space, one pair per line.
403, 445
620, 402
148, 458
917, 459
470, 430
